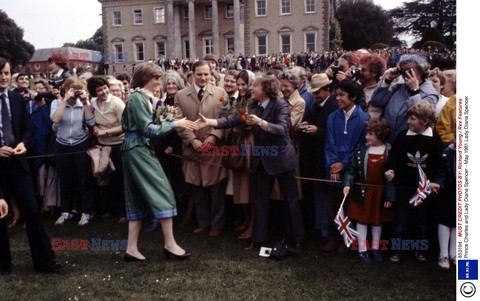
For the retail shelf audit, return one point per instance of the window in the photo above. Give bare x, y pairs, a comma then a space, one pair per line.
117, 18
261, 8
207, 12
185, 13
229, 12
137, 17
208, 45
310, 42
310, 6
159, 49
119, 55
230, 44
261, 45
159, 15
285, 40
285, 7
186, 48
139, 51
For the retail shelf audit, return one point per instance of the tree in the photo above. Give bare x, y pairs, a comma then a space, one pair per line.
335, 34
14, 48
416, 17
93, 43
363, 23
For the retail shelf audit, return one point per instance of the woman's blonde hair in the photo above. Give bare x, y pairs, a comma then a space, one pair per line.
144, 73
71, 82
451, 76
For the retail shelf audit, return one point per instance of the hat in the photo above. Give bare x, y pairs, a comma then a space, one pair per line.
318, 81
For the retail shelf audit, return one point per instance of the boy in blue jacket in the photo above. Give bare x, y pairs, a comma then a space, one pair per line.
345, 131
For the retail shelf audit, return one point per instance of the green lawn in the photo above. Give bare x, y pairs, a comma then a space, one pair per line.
218, 270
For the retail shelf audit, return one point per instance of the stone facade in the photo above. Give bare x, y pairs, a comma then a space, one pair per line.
283, 26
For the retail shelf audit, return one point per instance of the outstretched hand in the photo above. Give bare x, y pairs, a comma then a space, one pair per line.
3, 208
204, 121
185, 124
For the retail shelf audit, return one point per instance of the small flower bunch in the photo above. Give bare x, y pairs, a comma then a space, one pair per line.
233, 108
166, 113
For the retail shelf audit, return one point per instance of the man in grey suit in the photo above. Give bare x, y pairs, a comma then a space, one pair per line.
273, 157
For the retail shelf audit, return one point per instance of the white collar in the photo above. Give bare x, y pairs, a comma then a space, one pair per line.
197, 88
428, 132
349, 113
323, 102
235, 95
265, 103
144, 91
59, 73
95, 101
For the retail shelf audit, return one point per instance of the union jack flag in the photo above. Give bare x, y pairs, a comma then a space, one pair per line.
345, 227
423, 190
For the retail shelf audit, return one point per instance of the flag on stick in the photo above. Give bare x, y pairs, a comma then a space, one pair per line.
344, 226
423, 190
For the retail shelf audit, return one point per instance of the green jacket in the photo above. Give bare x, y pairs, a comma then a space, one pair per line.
357, 171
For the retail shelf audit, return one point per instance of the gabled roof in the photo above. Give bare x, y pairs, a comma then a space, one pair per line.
42, 55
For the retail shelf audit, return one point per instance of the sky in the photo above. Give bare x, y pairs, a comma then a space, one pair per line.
51, 23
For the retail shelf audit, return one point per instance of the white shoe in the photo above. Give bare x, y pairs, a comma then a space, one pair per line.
65, 216
85, 219
453, 260
444, 263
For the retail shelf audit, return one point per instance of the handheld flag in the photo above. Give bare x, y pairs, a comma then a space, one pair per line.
345, 227
423, 190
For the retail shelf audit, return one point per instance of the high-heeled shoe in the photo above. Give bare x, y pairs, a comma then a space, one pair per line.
130, 258
170, 255
13, 223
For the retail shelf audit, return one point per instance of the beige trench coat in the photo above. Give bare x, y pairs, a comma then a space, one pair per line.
200, 170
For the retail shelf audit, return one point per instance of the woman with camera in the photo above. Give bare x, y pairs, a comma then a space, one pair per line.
71, 117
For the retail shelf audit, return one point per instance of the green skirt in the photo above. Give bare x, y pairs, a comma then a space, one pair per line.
147, 189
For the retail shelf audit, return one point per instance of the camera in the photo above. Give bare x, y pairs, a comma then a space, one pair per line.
77, 94
355, 71
335, 70
400, 71
303, 128
56, 82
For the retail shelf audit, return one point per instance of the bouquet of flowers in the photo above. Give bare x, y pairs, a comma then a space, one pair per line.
166, 113
234, 107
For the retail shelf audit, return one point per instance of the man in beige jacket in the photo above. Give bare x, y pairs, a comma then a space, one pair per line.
203, 172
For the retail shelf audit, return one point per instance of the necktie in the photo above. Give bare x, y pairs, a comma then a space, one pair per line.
6, 123
200, 94
232, 99
260, 110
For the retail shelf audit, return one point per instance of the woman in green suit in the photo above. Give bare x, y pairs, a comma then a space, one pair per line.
147, 189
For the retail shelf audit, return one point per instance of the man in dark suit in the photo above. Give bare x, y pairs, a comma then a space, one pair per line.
15, 175
315, 136
270, 121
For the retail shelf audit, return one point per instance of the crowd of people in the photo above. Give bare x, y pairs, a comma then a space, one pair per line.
364, 131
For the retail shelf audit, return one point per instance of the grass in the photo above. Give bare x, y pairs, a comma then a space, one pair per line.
218, 270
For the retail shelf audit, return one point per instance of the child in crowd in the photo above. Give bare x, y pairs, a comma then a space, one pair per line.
345, 131
370, 204
418, 147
